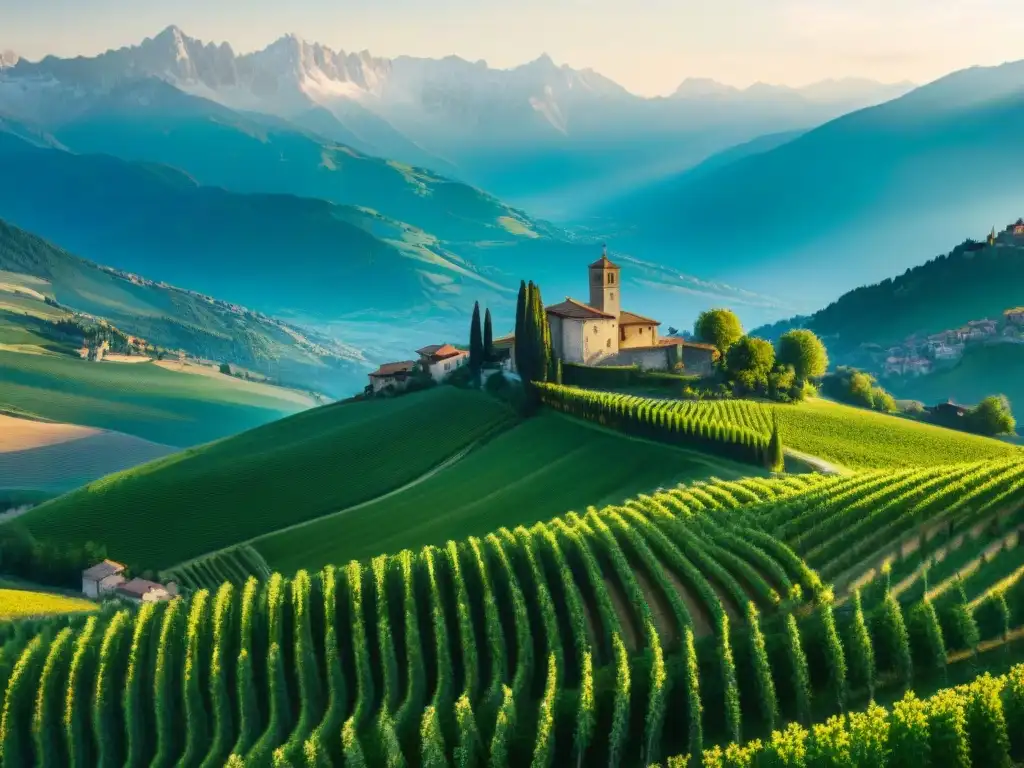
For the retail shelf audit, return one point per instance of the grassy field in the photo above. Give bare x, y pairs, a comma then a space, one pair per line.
23, 604
144, 400
856, 438
982, 371
295, 469
543, 467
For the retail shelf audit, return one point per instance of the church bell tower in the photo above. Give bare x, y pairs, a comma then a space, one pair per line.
604, 285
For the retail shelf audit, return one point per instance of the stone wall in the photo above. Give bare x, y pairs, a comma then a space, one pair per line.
647, 358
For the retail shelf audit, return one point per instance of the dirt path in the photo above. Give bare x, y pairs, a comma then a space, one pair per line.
861, 574
698, 612
815, 463
625, 611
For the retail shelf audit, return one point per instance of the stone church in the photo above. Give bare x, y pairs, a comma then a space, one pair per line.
602, 333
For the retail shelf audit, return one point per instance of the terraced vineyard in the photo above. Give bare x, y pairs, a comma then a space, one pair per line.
850, 437
676, 621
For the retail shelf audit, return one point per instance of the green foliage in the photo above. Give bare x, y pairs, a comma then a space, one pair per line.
469, 748
892, 642
730, 685
947, 729
488, 337
620, 706
926, 639
50, 749
81, 677
992, 416
748, 363
504, 731
766, 699
857, 388
107, 719
776, 458
718, 327
15, 743
476, 341
860, 651
835, 659
986, 723
221, 700
544, 747
197, 718
800, 674
803, 350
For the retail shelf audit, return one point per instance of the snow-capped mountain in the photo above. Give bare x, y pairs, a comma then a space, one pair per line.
529, 133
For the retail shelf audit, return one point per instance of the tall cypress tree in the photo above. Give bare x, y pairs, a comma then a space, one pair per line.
776, 458
488, 337
476, 342
520, 325
528, 352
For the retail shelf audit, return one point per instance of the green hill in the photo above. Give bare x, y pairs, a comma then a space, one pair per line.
984, 370
141, 399
311, 464
540, 468
971, 282
33, 269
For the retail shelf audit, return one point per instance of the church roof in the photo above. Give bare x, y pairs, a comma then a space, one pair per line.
438, 351
577, 310
604, 262
631, 318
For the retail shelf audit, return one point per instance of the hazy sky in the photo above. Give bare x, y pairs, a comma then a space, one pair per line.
648, 46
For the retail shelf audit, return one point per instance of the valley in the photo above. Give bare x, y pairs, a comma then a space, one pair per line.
298, 468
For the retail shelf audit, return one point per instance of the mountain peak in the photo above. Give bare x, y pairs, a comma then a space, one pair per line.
702, 86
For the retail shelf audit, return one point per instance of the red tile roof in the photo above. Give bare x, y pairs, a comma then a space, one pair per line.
392, 369
577, 310
439, 351
631, 318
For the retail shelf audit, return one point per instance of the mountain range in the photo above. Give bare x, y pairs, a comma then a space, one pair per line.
551, 136
846, 203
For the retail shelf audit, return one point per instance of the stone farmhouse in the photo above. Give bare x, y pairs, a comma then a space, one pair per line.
106, 579
391, 375
600, 332
441, 359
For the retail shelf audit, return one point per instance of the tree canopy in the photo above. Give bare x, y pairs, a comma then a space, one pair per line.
992, 416
488, 337
803, 350
476, 341
718, 327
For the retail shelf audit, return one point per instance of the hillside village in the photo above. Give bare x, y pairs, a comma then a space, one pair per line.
594, 333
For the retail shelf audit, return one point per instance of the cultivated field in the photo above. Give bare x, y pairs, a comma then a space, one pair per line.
539, 469
52, 457
296, 469
23, 604
665, 625
143, 400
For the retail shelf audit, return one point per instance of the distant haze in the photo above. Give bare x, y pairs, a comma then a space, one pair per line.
649, 46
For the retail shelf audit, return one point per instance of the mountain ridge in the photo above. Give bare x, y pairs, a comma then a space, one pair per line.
517, 132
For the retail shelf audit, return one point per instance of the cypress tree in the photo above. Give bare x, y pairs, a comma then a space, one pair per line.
776, 458
488, 337
520, 325
528, 348
476, 341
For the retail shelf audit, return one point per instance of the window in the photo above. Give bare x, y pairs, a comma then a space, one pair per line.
611, 295
608, 343
595, 330
611, 278
641, 330
447, 366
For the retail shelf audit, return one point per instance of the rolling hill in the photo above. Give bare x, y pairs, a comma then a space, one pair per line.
868, 193
972, 281
34, 272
